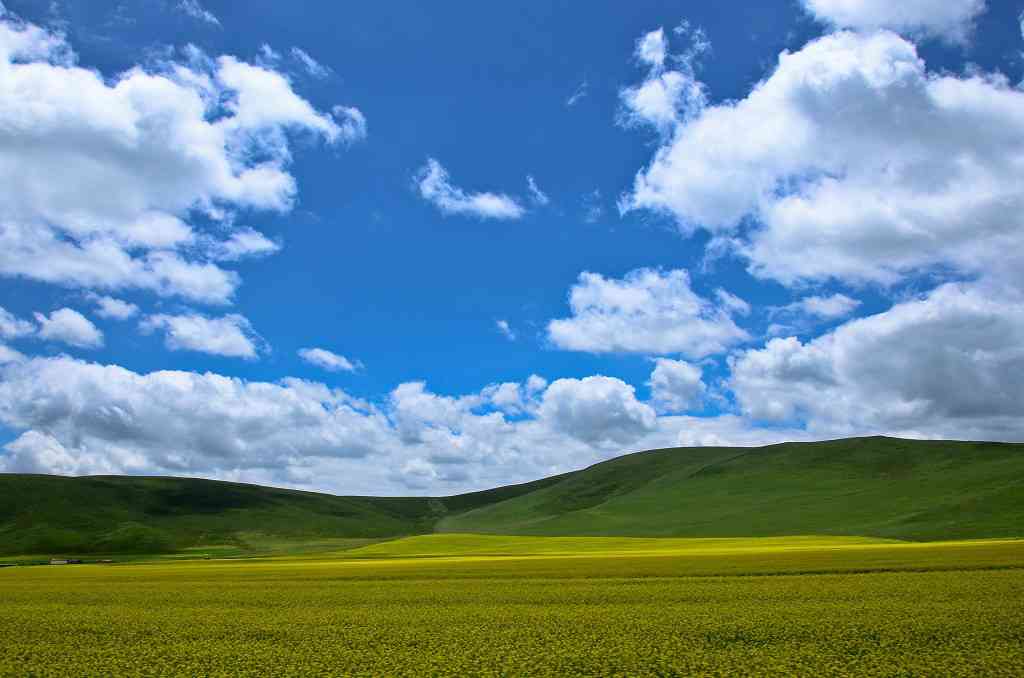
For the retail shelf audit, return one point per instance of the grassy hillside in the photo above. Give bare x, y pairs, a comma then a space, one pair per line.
880, 487
868, 487
53, 514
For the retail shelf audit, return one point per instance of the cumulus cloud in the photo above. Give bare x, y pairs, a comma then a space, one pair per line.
13, 327
9, 355
230, 336
667, 96
952, 20
835, 306
509, 397
351, 123
415, 410
69, 327
327, 360
946, 364
652, 48
435, 187
245, 243
117, 309
804, 314
85, 418
676, 385
599, 410
647, 311
107, 182
195, 10
854, 162
75, 417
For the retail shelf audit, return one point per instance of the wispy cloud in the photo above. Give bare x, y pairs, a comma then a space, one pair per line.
538, 196
311, 65
506, 330
434, 186
193, 9
328, 360
580, 93
593, 210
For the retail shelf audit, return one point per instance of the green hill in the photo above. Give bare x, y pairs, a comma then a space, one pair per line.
879, 487
109, 514
870, 487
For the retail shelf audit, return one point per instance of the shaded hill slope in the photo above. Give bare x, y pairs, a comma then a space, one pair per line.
882, 487
111, 514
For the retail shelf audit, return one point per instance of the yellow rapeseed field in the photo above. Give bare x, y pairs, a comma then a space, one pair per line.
458, 605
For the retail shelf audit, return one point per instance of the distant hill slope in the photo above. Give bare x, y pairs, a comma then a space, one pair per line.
111, 514
880, 487
871, 487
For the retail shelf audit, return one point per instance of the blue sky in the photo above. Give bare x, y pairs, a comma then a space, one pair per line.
730, 240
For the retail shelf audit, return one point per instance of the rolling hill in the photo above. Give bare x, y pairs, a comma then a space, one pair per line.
42, 514
877, 487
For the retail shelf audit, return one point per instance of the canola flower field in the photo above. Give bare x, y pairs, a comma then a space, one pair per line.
462, 605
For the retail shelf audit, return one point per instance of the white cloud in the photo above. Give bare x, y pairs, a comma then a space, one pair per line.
804, 314
511, 397
230, 336
434, 186
578, 94
538, 196
244, 243
195, 10
70, 327
648, 311
13, 327
856, 164
829, 308
351, 123
311, 65
676, 385
9, 355
597, 410
75, 417
536, 384
84, 418
118, 309
107, 178
652, 48
666, 97
506, 330
945, 365
416, 411
593, 210
268, 56
952, 20
732, 303
332, 362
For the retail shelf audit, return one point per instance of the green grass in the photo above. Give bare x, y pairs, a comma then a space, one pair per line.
882, 487
137, 515
438, 605
876, 487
